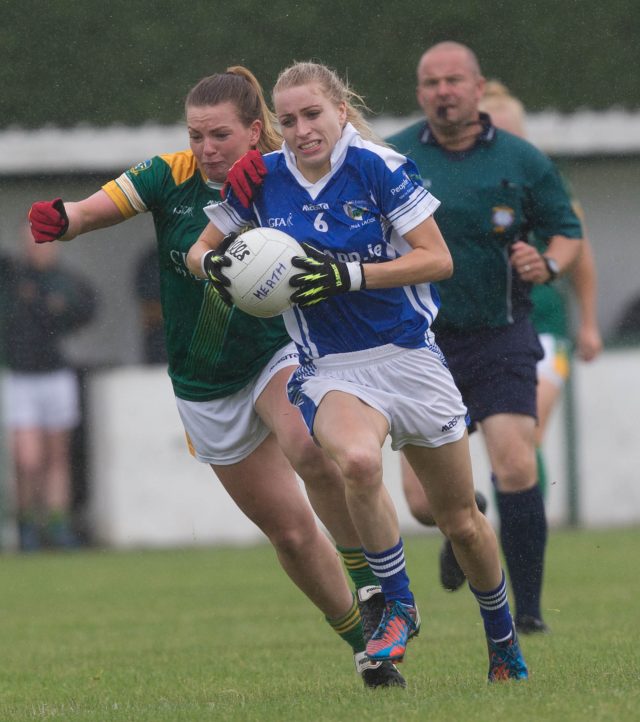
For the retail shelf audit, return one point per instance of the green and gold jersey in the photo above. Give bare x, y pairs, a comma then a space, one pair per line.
213, 351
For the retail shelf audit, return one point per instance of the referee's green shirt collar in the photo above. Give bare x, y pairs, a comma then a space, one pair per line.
487, 134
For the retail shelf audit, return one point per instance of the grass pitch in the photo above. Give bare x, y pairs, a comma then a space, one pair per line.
221, 634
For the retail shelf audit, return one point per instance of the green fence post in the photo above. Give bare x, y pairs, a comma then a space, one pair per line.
571, 450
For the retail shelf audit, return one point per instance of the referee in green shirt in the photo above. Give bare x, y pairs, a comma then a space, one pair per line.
495, 189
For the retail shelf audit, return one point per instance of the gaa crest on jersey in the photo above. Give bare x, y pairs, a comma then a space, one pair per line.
502, 217
355, 209
144, 165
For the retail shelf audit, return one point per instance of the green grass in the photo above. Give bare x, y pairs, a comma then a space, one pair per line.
220, 634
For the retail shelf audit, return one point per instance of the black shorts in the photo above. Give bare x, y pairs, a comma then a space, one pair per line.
495, 369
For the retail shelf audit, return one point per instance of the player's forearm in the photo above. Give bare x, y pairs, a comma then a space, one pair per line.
418, 266
209, 240
584, 281
96, 211
429, 260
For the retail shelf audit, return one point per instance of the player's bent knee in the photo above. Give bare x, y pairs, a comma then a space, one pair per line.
462, 530
360, 469
292, 540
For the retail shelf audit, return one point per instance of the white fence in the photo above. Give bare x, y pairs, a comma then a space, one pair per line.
147, 491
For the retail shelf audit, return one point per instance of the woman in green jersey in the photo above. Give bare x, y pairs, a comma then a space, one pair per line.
229, 370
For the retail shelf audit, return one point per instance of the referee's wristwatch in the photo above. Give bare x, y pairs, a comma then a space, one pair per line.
552, 267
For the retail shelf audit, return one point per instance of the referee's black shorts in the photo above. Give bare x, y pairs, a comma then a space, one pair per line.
494, 368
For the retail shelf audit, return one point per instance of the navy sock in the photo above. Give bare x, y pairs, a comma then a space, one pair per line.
494, 608
523, 533
389, 568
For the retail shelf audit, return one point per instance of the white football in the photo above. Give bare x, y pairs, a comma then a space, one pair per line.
260, 271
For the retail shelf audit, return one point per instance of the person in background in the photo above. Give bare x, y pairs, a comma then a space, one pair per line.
495, 189
550, 317
229, 370
627, 328
550, 314
44, 303
147, 292
369, 366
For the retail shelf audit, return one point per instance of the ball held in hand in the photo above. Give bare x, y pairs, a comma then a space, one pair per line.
260, 271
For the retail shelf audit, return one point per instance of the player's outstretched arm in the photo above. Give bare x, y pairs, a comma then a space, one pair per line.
59, 220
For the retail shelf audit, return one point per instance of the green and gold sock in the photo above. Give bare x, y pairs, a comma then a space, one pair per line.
357, 567
349, 627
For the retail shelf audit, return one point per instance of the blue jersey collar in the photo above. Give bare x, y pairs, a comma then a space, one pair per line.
338, 154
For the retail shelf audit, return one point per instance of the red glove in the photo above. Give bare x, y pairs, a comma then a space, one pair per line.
245, 177
48, 220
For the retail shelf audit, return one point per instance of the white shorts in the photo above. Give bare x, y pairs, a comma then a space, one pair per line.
412, 388
48, 400
225, 431
554, 365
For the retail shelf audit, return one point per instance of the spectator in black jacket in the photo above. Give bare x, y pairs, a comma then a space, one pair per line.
43, 303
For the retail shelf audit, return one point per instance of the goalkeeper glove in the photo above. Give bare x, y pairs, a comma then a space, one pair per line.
48, 220
212, 264
324, 277
245, 177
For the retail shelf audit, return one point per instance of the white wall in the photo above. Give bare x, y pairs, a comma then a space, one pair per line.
147, 491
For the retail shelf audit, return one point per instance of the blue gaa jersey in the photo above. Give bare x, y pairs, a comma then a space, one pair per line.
359, 211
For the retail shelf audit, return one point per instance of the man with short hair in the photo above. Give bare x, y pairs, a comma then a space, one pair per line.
494, 188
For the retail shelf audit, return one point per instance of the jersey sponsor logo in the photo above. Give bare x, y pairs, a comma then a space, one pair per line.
183, 211
315, 207
402, 186
179, 261
144, 165
280, 222
502, 217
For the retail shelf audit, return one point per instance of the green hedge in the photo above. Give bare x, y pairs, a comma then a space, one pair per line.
129, 61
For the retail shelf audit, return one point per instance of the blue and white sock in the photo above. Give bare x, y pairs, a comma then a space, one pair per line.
494, 608
389, 568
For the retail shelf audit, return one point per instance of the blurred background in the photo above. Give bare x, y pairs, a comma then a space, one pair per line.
90, 89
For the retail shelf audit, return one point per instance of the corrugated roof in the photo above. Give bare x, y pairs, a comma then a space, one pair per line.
87, 149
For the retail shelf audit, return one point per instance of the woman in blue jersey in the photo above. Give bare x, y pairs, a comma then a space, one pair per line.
228, 369
369, 363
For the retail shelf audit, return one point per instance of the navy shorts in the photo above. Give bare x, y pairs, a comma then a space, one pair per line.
495, 369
